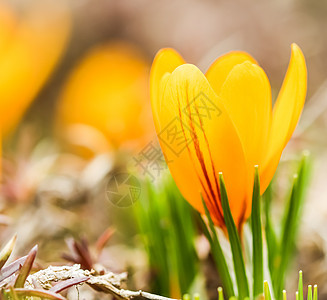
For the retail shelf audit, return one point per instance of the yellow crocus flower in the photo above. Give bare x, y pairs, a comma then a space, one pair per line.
30, 47
105, 102
223, 121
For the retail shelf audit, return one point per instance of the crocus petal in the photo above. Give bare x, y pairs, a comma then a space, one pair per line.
166, 61
31, 54
246, 94
286, 113
247, 97
220, 68
207, 143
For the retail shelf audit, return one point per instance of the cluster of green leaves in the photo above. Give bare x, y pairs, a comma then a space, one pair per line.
281, 244
167, 225
299, 295
168, 230
279, 249
236, 248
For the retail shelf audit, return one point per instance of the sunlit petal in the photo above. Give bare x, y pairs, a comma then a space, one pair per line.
220, 68
286, 112
246, 95
190, 107
166, 61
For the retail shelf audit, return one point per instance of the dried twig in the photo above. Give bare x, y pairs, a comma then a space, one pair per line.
109, 283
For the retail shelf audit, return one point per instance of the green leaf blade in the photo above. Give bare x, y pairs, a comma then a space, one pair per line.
239, 266
315, 292
291, 223
271, 237
218, 255
257, 257
309, 297
266, 289
300, 288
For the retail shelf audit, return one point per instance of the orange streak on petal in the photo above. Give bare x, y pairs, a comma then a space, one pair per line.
213, 144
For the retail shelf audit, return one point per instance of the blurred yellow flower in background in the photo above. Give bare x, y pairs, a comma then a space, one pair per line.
30, 48
223, 122
105, 101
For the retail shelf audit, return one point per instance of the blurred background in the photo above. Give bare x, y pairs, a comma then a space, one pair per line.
75, 111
